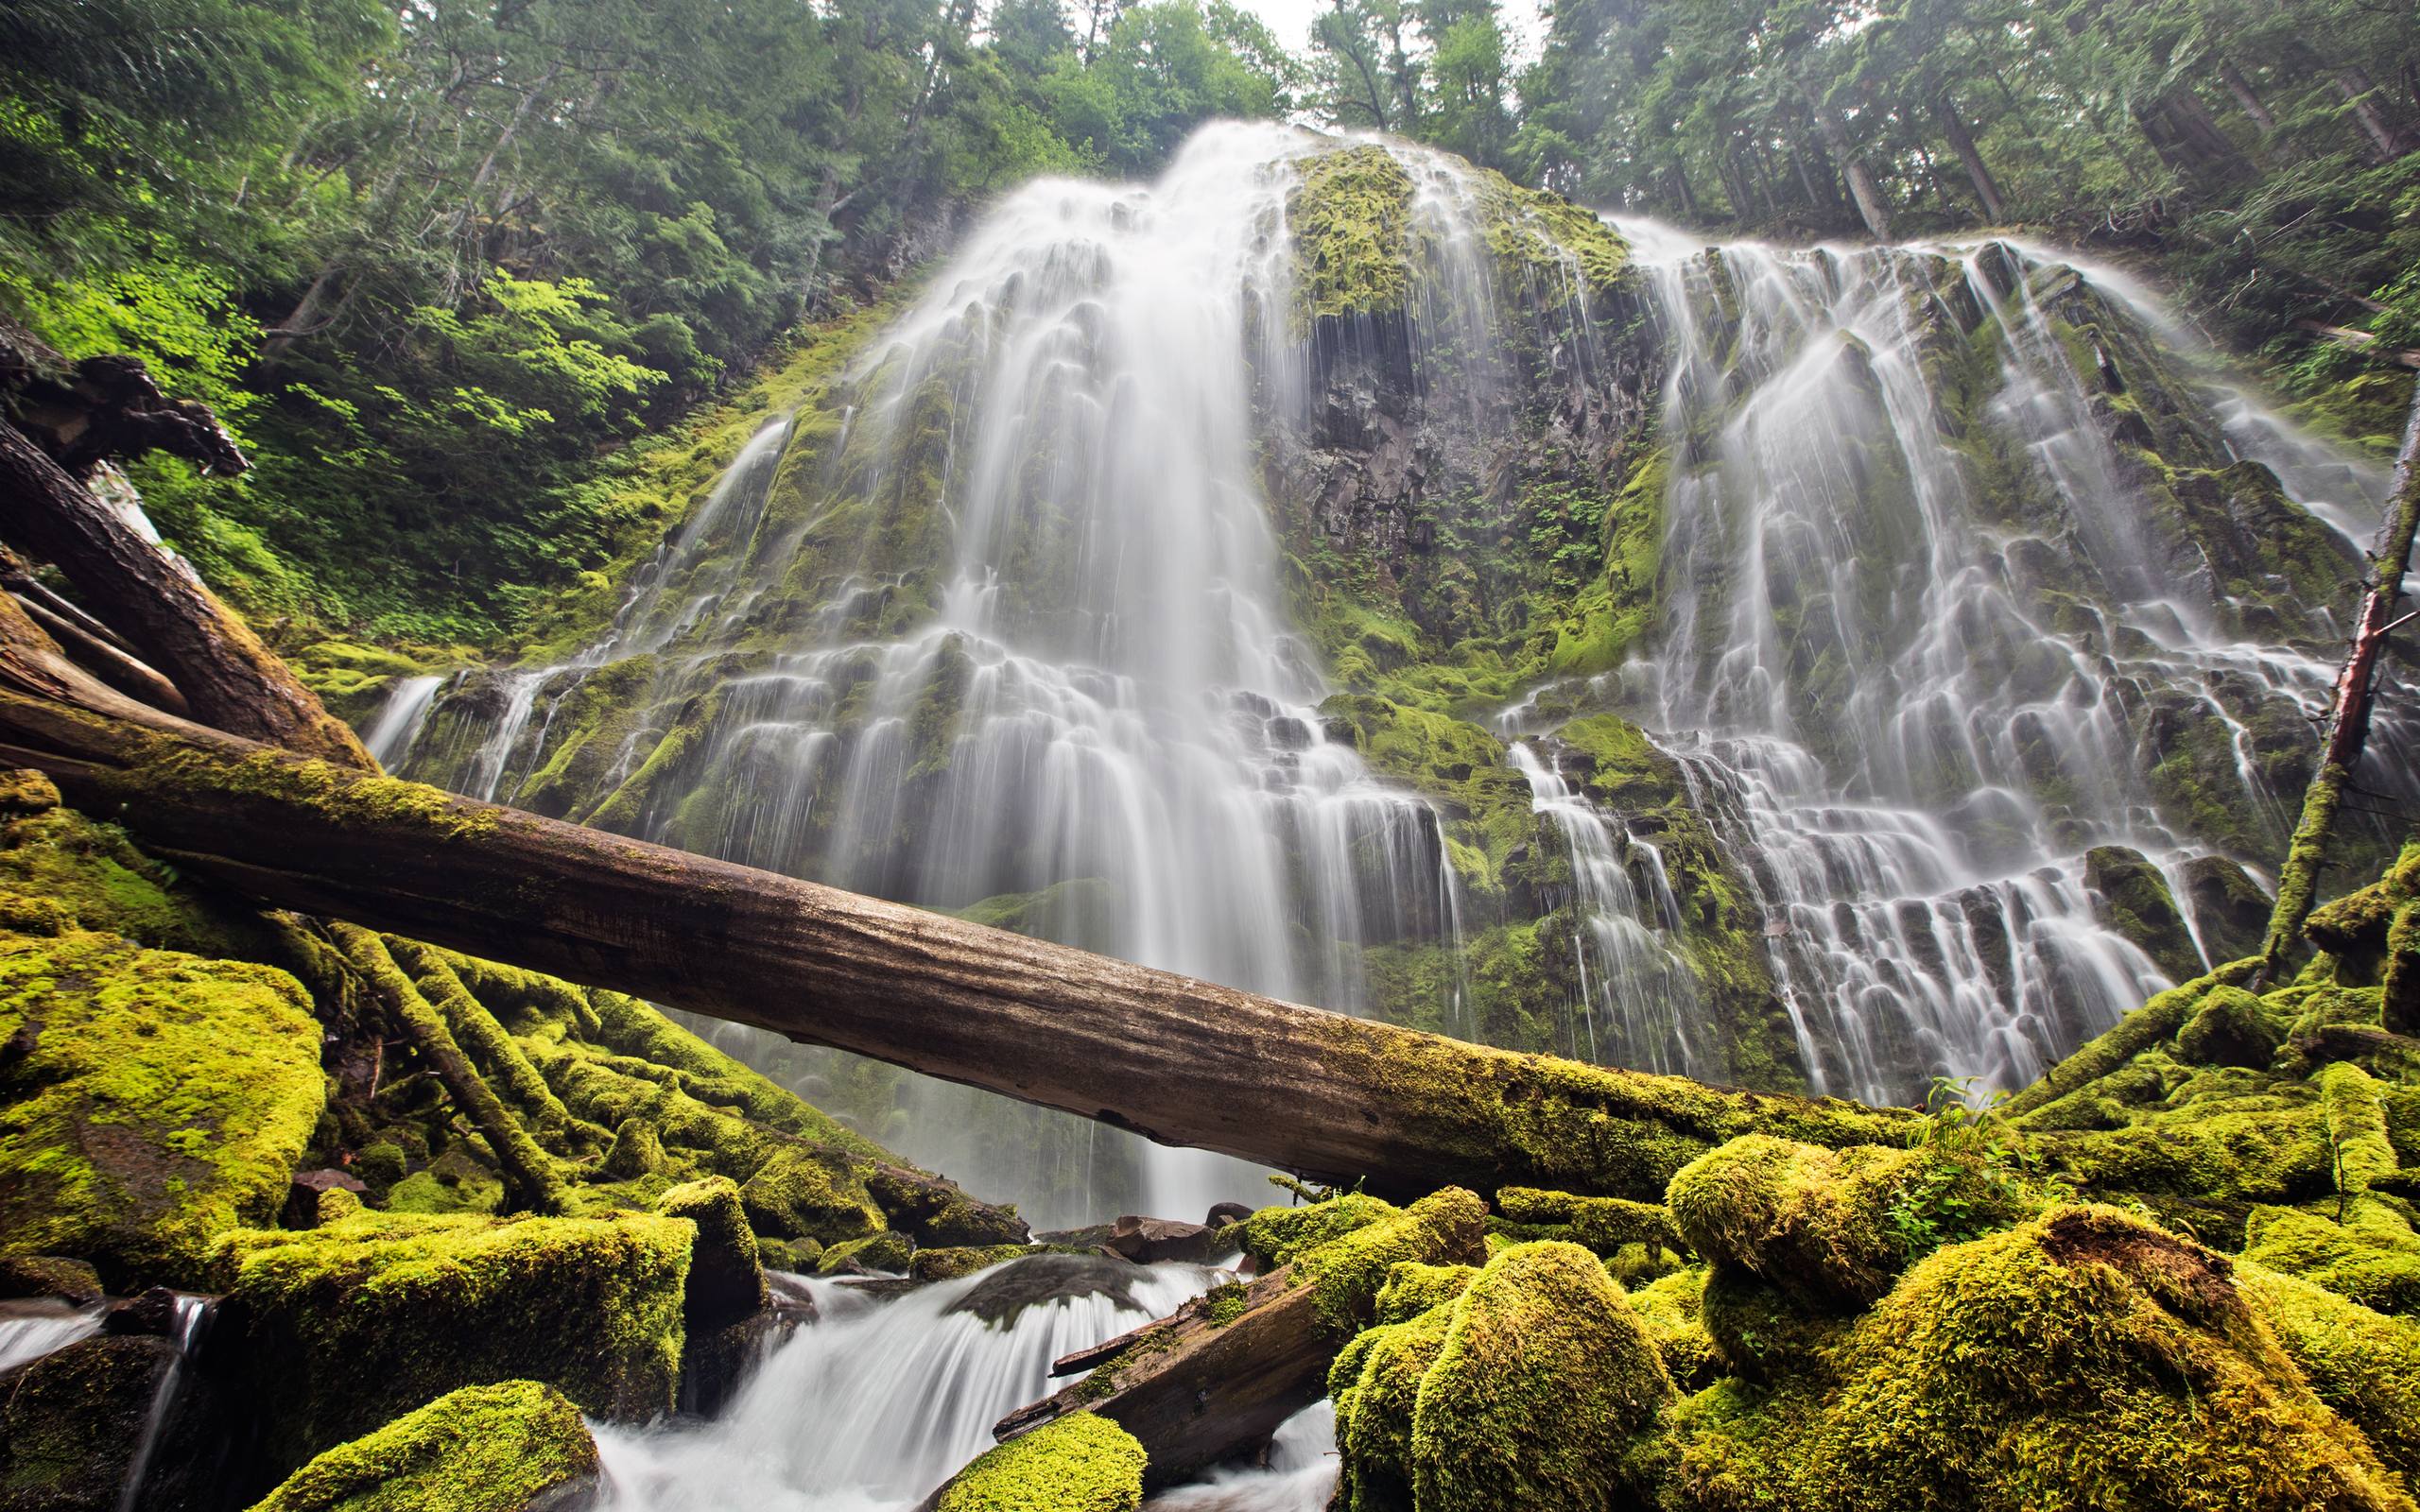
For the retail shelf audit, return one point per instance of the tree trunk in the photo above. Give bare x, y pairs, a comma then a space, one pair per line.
2360, 91
1872, 206
228, 677
2181, 130
1182, 1061
2348, 728
1979, 173
2246, 97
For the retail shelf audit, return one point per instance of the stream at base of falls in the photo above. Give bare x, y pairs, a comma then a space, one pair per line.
876, 1402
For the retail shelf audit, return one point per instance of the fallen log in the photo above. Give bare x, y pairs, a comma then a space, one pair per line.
60, 423
1195, 1391
1179, 1061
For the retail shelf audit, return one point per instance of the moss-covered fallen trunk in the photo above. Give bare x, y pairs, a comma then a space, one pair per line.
1185, 1061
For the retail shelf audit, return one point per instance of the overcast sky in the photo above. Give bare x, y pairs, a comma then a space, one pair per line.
1291, 21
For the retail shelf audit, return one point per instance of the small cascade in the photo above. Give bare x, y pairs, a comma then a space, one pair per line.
1299, 1474
394, 728
877, 1403
1633, 981
31, 1329
189, 1322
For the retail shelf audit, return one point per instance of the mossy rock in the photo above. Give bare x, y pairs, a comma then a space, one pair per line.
1413, 1287
60, 871
1820, 1225
517, 1446
949, 1264
1078, 1463
1758, 1333
346, 1327
1347, 1273
799, 1194
1672, 1306
2230, 1028
2363, 1363
1350, 215
1375, 1385
150, 1101
1545, 1393
1273, 1236
2085, 1361
71, 1421
2374, 1265
71, 1281
887, 1253
725, 1280
2132, 899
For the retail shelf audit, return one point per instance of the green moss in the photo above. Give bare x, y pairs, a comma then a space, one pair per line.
2132, 899
1350, 217
1346, 1273
60, 871
2155, 1021
724, 1282
71, 1421
1496, 1118
2362, 1363
1546, 1393
2352, 1101
799, 1194
2373, 1265
1412, 1287
149, 1100
1376, 1383
1224, 1303
344, 1327
1760, 1333
1606, 1225
964, 1260
1078, 1463
887, 1252
1273, 1236
1673, 1309
482, 1449
2083, 1361
1831, 1229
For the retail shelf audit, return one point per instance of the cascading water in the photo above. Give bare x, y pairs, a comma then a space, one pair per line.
29, 1329
876, 1403
1002, 632
1912, 691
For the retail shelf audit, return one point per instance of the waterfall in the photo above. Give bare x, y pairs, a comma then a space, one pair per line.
1625, 918
875, 1404
1931, 631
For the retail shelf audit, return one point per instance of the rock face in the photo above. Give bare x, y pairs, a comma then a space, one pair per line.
517, 1446
999, 1296
2133, 900
75, 1424
347, 1326
148, 1099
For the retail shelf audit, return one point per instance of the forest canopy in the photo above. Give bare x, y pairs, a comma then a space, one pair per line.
440, 263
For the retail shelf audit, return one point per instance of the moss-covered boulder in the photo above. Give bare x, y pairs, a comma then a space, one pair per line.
1672, 1306
1546, 1392
799, 1193
725, 1280
1347, 1273
148, 1101
887, 1254
1829, 1229
2363, 1364
1078, 1463
1376, 1386
346, 1327
1273, 1236
2083, 1362
517, 1446
2132, 899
